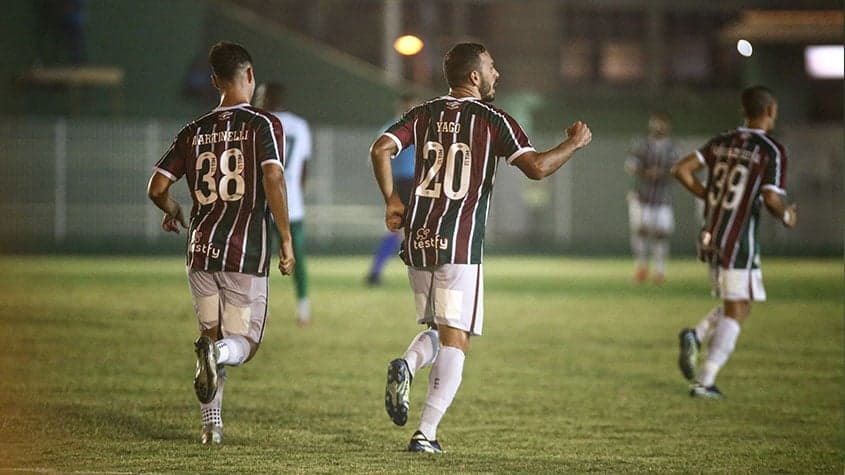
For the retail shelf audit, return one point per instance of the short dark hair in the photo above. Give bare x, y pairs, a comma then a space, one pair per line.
227, 59
755, 100
461, 60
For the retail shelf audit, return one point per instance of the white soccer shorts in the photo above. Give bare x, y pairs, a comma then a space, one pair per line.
738, 284
449, 294
652, 218
235, 301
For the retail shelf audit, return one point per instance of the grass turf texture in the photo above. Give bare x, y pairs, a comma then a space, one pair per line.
576, 372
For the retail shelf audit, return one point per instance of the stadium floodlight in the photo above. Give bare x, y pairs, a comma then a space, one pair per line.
408, 45
825, 61
744, 48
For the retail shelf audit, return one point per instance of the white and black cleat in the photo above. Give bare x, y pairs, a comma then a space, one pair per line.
205, 378
705, 392
420, 444
212, 434
396, 400
688, 353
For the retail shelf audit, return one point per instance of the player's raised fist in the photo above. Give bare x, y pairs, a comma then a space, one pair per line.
579, 134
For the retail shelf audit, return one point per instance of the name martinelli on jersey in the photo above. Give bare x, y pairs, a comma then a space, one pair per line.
224, 136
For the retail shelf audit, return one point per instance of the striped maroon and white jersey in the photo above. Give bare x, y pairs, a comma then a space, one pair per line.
221, 154
457, 146
653, 153
740, 163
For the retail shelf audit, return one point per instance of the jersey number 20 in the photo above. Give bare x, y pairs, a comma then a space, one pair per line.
231, 166
430, 187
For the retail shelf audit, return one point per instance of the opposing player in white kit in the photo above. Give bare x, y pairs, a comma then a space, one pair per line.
233, 161
458, 140
650, 202
271, 97
746, 168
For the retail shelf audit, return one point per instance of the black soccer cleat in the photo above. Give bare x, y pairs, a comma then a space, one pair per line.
420, 444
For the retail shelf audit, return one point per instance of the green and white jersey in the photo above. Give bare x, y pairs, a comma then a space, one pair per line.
297, 152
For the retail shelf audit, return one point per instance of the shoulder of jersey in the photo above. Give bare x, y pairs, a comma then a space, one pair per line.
269, 116
492, 109
774, 141
730, 132
256, 111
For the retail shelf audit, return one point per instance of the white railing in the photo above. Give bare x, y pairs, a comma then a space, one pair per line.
71, 182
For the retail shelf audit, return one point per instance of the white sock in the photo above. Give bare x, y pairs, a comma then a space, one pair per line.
303, 310
234, 350
638, 248
721, 346
422, 351
212, 413
443, 383
708, 323
659, 253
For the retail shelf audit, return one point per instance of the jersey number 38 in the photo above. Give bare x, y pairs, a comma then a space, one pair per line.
231, 186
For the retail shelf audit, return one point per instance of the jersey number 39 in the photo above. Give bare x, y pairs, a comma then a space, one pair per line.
728, 185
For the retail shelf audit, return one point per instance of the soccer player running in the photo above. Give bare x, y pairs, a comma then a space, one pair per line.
233, 159
458, 139
271, 97
745, 168
650, 202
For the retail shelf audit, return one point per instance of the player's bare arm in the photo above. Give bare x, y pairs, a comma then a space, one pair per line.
538, 165
787, 214
158, 190
381, 152
276, 194
684, 172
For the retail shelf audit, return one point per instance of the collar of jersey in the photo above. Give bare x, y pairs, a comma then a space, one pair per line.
242, 104
468, 98
749, 129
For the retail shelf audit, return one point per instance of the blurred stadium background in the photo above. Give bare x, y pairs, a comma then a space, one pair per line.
96, 365
84, 114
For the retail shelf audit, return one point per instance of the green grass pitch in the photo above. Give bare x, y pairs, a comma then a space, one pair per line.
576, 373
